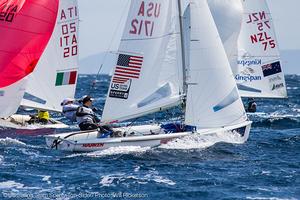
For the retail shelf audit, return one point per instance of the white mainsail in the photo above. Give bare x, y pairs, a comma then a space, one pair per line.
55, 76
260, 72
254, 54
228, 15
148, 74
212, 99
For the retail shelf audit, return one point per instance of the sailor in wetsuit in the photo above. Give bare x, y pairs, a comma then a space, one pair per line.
251, 105
85, 116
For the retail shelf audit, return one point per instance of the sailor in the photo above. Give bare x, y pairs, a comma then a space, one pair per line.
43, 116
251, 105
69, 109
85, 116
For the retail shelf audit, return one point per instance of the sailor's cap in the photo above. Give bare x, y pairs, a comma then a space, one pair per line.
67, 100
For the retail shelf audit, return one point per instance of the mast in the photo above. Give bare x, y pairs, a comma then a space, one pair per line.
185, 86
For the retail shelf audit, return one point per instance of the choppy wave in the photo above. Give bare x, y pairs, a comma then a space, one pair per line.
10, 141
11, 185
1, 159
194, 167
151, 176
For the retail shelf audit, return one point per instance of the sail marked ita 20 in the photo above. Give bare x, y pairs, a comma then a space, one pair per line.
68, 40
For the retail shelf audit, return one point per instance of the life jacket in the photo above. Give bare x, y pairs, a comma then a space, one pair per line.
43, 115
69, 111
85, 115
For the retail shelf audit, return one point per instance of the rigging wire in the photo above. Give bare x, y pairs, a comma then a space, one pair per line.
93, 84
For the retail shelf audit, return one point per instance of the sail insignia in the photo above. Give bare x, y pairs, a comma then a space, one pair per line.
33, 98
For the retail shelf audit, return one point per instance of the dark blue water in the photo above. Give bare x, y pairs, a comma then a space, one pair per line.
266, 167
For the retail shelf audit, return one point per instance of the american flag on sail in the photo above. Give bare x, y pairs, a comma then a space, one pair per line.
271, 69
128, 67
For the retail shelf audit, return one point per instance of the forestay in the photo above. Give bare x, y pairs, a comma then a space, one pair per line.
148, 72
260, 72
55, 76
212, 99
25, 29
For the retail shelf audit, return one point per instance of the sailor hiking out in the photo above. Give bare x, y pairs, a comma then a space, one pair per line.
85, 116
41, 117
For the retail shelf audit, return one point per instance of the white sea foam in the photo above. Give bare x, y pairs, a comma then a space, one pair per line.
198, 141
112, 151
160, 179
137, 168
292, 88
47, 179
107, 181
10, 185
110, 180
9, 141
119, 150
30, 153
1, 159
269, 198
266, 173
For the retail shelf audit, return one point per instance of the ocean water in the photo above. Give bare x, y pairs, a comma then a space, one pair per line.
267, 166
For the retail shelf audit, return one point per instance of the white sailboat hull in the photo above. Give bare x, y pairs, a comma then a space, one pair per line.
17, 125
144, 136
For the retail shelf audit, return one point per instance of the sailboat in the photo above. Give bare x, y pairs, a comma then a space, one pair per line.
55, 75
170, 54
260, 72
26, 28
249, 38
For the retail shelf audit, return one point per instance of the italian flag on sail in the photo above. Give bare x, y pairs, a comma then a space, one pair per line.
66, 78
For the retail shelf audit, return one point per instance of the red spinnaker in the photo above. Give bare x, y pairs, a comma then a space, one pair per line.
25, 30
